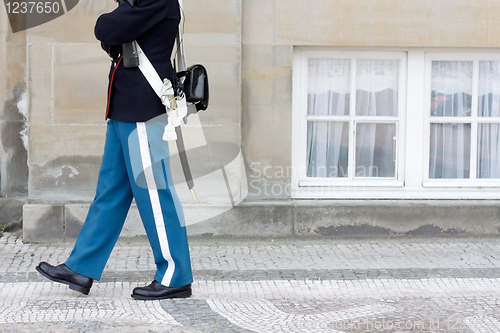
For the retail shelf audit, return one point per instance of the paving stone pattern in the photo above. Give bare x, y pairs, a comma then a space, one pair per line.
369, 285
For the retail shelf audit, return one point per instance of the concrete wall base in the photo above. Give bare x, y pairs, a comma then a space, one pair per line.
11, 210
48, 222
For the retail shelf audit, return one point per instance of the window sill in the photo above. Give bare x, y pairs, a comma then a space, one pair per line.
328, 183
458, 183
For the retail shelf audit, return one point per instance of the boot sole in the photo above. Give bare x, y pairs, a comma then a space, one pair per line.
180, 294
72, 286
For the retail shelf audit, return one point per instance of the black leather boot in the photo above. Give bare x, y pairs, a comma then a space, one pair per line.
62, 274
157, 291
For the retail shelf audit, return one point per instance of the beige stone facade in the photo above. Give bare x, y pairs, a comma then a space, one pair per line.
271, 30
53, 81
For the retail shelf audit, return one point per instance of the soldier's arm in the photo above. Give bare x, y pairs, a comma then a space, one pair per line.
125, 24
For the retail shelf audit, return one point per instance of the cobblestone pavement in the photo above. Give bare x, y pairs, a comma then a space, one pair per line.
369, 285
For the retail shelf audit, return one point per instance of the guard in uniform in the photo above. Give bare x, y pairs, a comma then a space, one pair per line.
131, 103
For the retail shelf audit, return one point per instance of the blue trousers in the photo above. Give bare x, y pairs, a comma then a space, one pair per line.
159, 208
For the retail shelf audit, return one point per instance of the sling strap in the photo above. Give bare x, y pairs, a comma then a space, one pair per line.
176, 108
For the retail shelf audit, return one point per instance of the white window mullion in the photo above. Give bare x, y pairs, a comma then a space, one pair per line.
352, 123
395, 153
414, 122
488, 120
474, 124
375, 120
300, 123
427, 118
304, 76
352, 151
453, 120
400, 172
328, 118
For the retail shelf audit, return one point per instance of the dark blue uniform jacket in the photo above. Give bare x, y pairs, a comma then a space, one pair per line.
154, 24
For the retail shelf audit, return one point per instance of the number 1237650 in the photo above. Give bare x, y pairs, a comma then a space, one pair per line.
32, 7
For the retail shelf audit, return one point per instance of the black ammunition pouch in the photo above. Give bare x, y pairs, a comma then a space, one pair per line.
130, 55
193, 83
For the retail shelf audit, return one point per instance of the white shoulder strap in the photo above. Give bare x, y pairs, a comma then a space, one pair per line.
149, 72
165, 91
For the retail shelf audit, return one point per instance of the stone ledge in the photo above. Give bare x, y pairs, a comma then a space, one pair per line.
43, 223
404, 218
285, 219
11, 210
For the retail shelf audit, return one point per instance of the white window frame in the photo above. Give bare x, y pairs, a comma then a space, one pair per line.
472, 181
413, 131
352, 119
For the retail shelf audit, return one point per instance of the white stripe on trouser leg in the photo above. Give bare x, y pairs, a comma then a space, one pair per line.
155, 203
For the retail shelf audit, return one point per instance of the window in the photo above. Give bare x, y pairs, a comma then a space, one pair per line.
464, 119
402, 124
350, 122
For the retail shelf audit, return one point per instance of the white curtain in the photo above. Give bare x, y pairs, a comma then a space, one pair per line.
327, 149
451, 86
450, 151
328, 94
488, 165
376, 95
451, 96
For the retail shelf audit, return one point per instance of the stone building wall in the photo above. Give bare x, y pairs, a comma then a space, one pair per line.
67, 76
13, 111
272, 28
